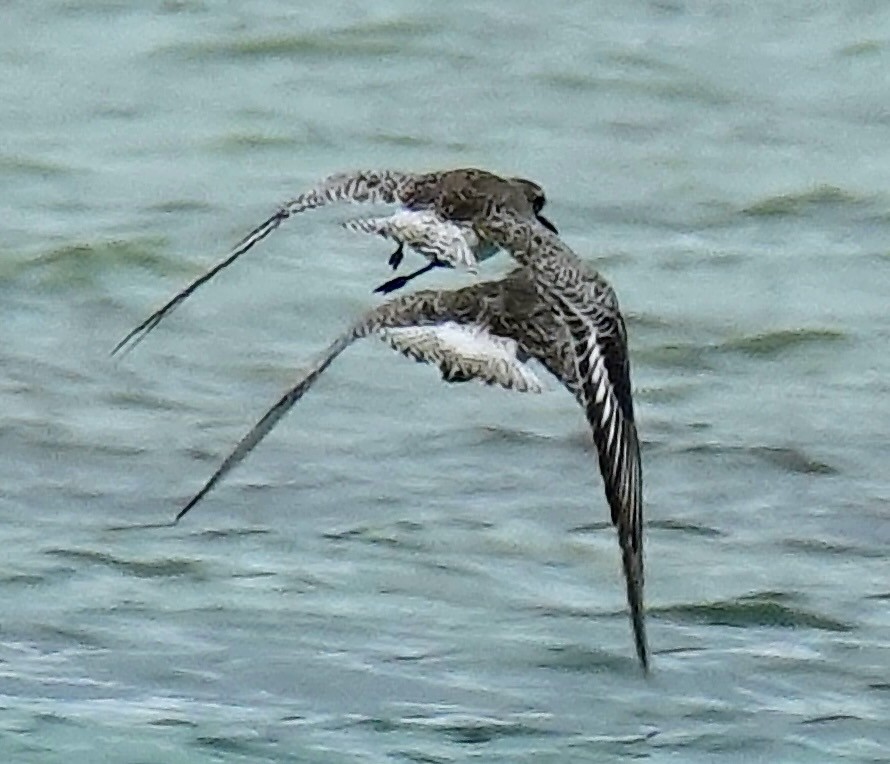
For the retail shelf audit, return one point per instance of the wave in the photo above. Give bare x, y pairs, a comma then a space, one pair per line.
818, 198
771, 609
786, 458
366, 40
157, 568
776, 342
73, 266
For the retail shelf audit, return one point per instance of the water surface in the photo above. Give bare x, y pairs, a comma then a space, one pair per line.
408, 571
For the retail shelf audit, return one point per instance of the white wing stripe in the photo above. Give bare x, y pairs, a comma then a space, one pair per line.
466, 351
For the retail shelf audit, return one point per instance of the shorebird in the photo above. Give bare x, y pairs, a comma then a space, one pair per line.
554, 309
432, 220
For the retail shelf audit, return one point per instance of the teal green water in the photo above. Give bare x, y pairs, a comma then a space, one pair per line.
412, 572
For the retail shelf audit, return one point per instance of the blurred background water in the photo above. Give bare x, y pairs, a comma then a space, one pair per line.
408, 571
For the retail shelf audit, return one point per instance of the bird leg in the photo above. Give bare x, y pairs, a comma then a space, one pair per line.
400, 281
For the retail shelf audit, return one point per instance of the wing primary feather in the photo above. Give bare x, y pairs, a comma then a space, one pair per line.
633, 575
619, 456
269, 420
618, 446
257, 234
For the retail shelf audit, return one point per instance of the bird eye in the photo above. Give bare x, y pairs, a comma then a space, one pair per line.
538, 203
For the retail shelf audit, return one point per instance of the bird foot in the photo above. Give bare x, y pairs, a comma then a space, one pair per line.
392, 285
399, 281
395, 259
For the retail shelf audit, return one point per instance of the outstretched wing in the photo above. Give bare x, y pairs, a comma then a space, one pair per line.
384, 186
428, 308
434, 237
268, 422
464, 352
587, 306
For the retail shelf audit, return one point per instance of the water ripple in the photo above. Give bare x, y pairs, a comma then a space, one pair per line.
369, 40
764, 609
571, 657
456, 728
158, 568
832, 549
787, 458
78, 267
774, 343
819, 199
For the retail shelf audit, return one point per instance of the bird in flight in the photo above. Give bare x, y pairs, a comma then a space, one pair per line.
432, 220
554, 309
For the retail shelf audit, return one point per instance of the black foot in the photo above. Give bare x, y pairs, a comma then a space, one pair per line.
395, 259
399, 281
392, 285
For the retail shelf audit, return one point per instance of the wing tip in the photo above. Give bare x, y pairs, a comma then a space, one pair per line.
640, 642
632, 560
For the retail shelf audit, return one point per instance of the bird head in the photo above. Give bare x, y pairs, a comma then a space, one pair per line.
536, 198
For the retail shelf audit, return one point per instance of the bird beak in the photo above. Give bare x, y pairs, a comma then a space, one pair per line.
547, 224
